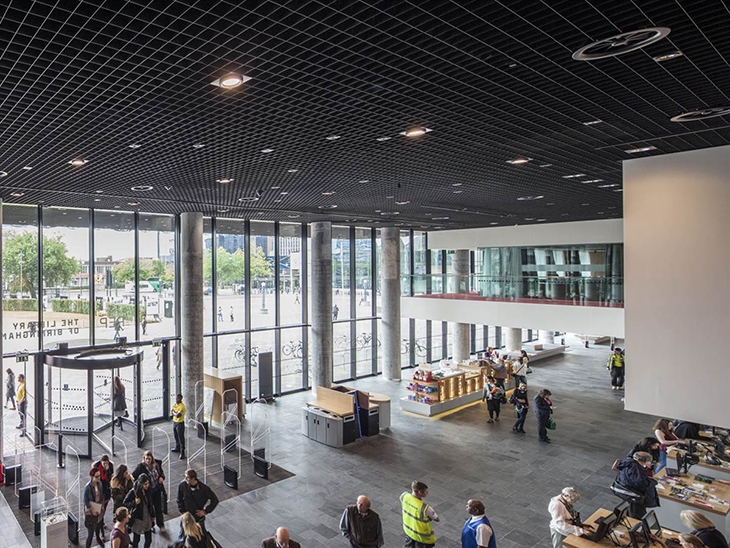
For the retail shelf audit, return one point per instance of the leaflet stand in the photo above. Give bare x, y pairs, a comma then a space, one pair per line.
198, 453
73, 496
53, 517
231, 443
161, 440
116, 439
260, 438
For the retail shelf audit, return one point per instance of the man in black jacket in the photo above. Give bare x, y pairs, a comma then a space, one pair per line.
195, 497
632, 473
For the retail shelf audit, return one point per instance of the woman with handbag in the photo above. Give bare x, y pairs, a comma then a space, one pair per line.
153, 470
543, 408
93, 500
121, 483
493, 395
142, 511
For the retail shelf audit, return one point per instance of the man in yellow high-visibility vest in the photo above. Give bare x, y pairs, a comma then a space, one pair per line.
417, 517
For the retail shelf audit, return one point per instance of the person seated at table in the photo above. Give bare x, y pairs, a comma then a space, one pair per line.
690, 541
689, 431
648, 445
703, 529
632, 474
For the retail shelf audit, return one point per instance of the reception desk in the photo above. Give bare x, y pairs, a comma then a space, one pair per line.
686, 493
221, 381
620, 532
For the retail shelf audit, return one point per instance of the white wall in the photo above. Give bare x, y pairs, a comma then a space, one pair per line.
677, 288
572, 319
580, 232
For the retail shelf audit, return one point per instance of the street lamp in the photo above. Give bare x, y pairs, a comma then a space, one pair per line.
264, 310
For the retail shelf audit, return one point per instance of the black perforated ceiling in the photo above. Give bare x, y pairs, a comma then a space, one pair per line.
492, 80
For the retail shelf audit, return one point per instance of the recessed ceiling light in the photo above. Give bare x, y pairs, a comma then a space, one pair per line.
97, 199
133, 203
260, 213
668, 56
230, 80
458, 191
585, 204
541, 220
330, 206
3, 173
18, 194
592, 181
333, 137
416, 131
564, 214
283, 193
389, 197
592, 122
619, 190
28, 168
134, 145
519, 161
293, 216
439, 218
406, 202
222, 210
277, 200
494, 223
138, 188
267, 150
528, 198
78, 162
608, 186
574, 176
642, 149
275, 187
529, 218
383, 139
292, 170
378, 210
457, 184
621, 44
545, 165
702, 114
249, 199
117, 207
428, 213
224, 181
364, 181
387, 213
600, 212
198, 145
328, 193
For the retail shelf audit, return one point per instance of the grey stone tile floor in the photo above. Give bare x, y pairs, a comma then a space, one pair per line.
460, 456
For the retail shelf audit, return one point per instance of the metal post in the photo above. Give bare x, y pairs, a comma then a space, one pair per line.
304, 276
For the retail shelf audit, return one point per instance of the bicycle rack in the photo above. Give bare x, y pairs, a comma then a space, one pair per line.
165, 461
116, 438
230, 442
260, 431
196, 426
75, 484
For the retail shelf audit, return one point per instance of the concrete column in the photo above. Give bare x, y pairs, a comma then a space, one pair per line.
191, 308
460, 331
547, 337
390, 301
321, 299
513, 338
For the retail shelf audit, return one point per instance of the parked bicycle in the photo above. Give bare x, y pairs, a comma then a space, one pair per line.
365, 340
239, 354
292, 348
405, 347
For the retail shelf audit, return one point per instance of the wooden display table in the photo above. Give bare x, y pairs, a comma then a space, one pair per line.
713, 500
442, 394
720, 472
220, 381
621, 533
334, 401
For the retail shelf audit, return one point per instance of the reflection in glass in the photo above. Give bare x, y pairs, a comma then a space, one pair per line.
292, 359
263, 292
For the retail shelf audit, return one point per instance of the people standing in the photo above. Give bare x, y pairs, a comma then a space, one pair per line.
93, 499
22, 401
418, 517
519, 399
335, 312
142, 509
564, 520
119, 401
152, 469
519, 370
493, 395
477, 531
192, 535
615, 365
195, 497
280, 540
543, 408
106, 469
664, 432
361, 526
220, 313
703, 528
178, 425
10, 389
118, 328
144, 325
119, 536
120, 484
500, 370
231, 314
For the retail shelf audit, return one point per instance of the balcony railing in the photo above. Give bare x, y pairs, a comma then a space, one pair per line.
565, 290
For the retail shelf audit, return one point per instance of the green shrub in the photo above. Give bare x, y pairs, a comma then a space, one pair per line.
73, 306
20, 305
124, 311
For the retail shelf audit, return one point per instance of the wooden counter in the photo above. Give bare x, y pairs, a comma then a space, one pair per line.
221, 381
702, 467
579, 542
334, 402
716, 506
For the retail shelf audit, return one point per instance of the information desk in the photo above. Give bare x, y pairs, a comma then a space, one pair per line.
331, 418
221, 381
713, 500
382, 401
621, 533
720, 472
